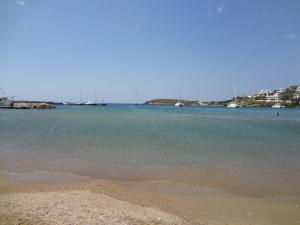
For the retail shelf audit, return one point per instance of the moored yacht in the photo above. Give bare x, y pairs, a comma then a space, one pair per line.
179, 103
91, 103
278, 106
79, 103
94, 102
5, 102
68, 103
233, 105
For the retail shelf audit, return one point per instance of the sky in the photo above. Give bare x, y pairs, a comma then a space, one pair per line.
55, 49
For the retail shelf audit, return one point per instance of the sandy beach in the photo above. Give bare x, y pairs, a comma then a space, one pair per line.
91, 201
81, 202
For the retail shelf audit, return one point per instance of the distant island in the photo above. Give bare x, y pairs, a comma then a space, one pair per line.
289, 97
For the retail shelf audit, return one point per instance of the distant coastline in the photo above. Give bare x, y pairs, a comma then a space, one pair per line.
186, 102
288, 97
243, 101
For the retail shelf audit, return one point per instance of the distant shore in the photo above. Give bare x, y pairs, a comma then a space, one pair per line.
241, 101
288, 97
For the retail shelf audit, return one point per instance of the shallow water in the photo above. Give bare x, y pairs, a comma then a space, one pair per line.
154, 136
43, 176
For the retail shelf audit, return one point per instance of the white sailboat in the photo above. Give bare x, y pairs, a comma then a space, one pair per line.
278, 106
5, 102
92, 102
68, 103
233, 104
179, 103
80, 99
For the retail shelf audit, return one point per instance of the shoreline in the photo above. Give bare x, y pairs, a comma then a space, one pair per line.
252, 182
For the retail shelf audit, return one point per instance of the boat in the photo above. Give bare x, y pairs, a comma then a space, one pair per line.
91, 103
233, 104
68, 103
179, 103
278, 106
71, 103
80, 99
95, 102
103, 103
5, 102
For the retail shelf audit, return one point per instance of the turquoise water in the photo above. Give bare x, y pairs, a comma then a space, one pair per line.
158, 135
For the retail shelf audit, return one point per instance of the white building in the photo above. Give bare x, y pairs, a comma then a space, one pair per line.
259, 93
273, 98
296, 96
264, 92
280, 90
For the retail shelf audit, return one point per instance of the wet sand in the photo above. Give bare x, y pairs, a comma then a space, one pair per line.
205, 205
41, 200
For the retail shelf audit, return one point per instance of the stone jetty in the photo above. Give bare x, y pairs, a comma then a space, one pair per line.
32, 105
5, 103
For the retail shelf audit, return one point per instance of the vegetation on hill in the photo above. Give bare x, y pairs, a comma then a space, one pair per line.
170, 102
185, 102
288, 97
244, 101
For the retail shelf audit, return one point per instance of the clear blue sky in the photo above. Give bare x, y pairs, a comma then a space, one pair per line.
51, 49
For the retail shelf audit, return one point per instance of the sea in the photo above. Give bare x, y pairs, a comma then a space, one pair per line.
251, 148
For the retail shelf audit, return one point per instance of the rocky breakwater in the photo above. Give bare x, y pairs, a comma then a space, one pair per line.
32, 105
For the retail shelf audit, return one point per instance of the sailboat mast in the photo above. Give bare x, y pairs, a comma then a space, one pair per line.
234, 89
180, 94
87, 96
80, 97
136, 96
95, 97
